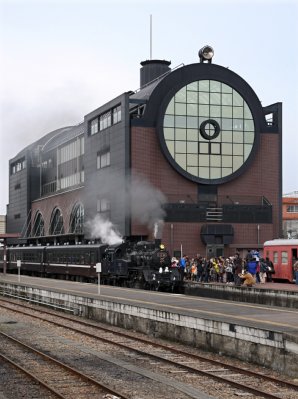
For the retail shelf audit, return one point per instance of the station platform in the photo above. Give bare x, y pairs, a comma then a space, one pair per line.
262, 334
270, 294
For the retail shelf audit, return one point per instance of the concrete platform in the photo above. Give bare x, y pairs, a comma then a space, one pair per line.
265, 335
271, 294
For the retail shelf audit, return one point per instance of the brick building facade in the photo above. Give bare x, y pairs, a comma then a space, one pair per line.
187, 158
290, 215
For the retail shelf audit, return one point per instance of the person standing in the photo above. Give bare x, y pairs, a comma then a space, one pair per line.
200, 269
238, 265
251, 267
270, 270
263, 270
193, 270
182, 266
229, 271
296, 272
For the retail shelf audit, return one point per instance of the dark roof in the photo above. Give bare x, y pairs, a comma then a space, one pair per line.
62, 136
40, 142
145, 92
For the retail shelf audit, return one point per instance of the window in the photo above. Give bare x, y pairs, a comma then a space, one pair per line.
71, 180
82, 146
290, 228
49, 187
275, 257
105, 120
103, 205
94, 126
208, 118
47, 164
70, 164
284, 257
38, 227
77, 219
17, 216
56, 225
17, 186
17, 166
103, 160
71, 150
292, 209
269, 119
117, 114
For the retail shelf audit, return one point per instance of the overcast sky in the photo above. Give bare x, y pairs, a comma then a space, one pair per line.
62, 59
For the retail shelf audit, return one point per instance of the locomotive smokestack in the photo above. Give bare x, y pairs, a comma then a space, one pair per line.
157, 242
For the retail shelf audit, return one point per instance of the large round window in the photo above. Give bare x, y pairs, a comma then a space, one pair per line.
208, 130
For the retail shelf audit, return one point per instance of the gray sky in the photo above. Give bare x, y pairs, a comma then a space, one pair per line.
61, 59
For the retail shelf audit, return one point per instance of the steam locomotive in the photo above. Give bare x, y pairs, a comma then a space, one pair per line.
144, 264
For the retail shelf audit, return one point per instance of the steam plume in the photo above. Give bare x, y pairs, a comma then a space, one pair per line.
131, 196
146, 203
105, 230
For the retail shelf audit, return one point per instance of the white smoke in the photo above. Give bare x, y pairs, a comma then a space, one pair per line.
105, 230
158, 226
146, 203
139, 200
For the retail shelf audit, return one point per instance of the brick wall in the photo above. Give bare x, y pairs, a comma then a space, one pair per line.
262, 178
65, 202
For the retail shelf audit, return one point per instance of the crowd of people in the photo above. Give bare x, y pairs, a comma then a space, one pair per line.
231, 270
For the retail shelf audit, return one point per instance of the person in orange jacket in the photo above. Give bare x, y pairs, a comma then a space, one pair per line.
249, 279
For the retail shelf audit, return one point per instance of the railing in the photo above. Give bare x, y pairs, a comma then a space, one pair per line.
226, 209
49, 188
217, 201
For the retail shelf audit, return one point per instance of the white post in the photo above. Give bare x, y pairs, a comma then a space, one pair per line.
150, 36
98, 271
19, 270
98, 283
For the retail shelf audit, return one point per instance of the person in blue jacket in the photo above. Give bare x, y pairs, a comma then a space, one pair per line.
251, 267
182, 265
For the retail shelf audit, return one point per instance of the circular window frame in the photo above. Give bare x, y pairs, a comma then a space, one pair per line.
216, 126
196, 72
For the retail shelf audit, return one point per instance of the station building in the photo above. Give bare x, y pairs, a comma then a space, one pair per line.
187, 158
290, 215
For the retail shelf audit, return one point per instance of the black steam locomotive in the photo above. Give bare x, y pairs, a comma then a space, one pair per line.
144, 264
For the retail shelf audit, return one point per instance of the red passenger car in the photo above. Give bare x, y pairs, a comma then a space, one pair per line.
283, 254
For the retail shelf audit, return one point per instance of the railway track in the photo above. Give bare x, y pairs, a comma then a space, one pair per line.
58, 378
168, 359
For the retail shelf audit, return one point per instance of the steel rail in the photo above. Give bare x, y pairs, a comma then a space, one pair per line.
45, 385
65, 366
168, 348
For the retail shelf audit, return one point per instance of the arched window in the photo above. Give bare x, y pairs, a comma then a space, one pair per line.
56, 226
76, 223
38, 226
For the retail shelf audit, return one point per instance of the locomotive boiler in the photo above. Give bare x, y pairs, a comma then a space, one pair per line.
145, 264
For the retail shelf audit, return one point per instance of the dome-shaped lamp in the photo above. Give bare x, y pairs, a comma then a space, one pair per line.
206, 53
